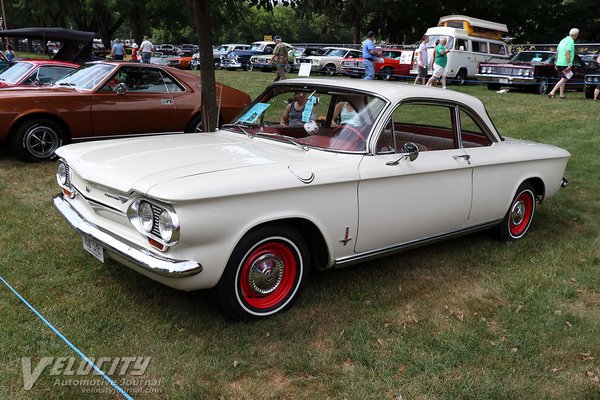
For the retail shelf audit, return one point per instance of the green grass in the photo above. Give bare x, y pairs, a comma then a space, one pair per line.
469, 318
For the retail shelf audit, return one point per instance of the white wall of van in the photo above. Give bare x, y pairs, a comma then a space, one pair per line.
466, 51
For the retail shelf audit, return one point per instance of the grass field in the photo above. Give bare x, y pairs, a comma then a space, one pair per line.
470, 318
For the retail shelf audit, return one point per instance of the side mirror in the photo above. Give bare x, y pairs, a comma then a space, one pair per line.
411, 150
121, 89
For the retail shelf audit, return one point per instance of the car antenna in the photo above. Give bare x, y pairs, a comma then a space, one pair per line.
220, 100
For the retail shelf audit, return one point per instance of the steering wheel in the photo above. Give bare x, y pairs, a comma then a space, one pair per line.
358, 136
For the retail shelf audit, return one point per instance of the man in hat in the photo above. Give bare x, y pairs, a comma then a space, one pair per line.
369, 55
280, 55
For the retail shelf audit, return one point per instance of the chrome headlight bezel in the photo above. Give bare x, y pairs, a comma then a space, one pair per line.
63, 178
169, 234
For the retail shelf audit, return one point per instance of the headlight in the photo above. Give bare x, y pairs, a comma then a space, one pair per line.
167, 225
520, 72
146, 215
595, 79
62, 174
315, 62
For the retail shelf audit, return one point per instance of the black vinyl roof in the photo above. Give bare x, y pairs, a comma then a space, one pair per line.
58, 34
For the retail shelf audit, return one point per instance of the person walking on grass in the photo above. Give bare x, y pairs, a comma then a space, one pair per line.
422, 61
280, 55
369, 55
439, 65
565, 53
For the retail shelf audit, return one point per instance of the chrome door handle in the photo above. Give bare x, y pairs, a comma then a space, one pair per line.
166, 101
465, 157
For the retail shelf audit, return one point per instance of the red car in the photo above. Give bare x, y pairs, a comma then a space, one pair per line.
386, 67
35, 73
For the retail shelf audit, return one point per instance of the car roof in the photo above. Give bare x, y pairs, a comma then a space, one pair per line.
393, 91
49, 62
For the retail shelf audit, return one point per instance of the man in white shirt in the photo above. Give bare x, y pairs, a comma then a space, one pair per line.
422, 61
146, 49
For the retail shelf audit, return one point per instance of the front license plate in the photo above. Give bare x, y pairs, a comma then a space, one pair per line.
503, 80
93, 248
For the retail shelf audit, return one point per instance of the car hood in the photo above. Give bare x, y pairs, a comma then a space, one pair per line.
141, 163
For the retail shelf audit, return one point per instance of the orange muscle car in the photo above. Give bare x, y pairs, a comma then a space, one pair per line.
106, 99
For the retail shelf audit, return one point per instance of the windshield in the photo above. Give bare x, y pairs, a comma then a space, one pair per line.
312, 116
336, 52
257, 46
534, 56
436, 38
15, 72
222, 48
87, 76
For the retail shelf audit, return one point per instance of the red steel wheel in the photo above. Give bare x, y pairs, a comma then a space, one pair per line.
265, 273
518, 218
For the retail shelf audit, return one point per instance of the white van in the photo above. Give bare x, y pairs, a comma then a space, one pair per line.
471, 41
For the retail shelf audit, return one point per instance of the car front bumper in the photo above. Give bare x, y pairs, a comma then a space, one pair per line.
123, 251
505, 80
231, 64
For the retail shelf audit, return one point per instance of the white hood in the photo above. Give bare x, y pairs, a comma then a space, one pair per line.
141, 163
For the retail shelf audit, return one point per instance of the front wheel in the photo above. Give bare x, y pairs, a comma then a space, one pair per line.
195, 125
265, 273
248, 67
386, 74
518, 218
461, 77
589, 92
542, 86
37, 140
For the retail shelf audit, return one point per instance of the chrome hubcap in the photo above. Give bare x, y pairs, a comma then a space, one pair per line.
41, 141
517, 213
266, 273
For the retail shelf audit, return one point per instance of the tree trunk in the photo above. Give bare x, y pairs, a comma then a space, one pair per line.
207, 75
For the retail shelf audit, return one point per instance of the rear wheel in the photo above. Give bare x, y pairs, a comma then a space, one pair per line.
329, 70
195, 125
518, 218
37, 139
265, 273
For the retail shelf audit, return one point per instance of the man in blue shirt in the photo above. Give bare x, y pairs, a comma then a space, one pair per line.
369, 54
118, 51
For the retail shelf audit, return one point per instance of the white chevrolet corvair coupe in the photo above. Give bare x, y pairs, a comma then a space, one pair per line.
253, 207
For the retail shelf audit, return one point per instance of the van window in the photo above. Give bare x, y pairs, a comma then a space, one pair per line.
496, 48
461, 43
479, 47
434, 38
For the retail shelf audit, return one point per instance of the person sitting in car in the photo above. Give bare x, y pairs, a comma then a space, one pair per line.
292, 115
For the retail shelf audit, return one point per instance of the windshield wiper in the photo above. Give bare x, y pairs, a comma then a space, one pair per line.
241, 127
69, 84
287, 138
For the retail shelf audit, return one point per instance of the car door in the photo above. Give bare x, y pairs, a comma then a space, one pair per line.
146, 106
402, 201
579, 71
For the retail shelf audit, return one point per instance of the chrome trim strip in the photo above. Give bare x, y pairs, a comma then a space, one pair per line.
130, 252
397, 248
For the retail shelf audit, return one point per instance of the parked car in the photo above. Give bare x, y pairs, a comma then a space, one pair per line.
35, 73
105, 98
181, 62
222, 50
330, 62
387, 66
252, 208
262, 61
533, 70
167, 49
192, 48
241, 58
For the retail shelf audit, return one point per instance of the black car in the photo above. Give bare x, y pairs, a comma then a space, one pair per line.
534, 70
241, 58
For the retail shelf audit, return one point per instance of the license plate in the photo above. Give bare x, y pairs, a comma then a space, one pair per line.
93, 248
503, 80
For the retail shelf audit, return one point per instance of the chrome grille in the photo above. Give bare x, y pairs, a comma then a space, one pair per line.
156, 211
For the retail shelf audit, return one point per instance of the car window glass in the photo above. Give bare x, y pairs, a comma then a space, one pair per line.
577, 62
171, 84
479, 47
429, 126
307, 115
15, 72
461, 43
496, 48
47, 75
472, 133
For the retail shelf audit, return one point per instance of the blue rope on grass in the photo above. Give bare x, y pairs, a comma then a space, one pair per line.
64, 339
